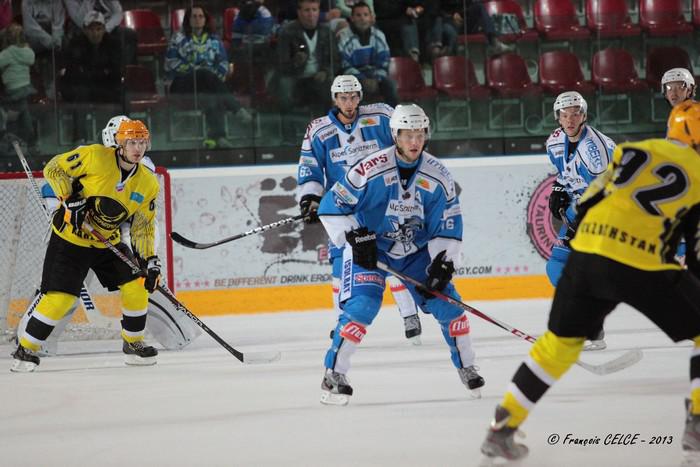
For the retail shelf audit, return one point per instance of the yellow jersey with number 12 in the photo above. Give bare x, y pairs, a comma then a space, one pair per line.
633, 212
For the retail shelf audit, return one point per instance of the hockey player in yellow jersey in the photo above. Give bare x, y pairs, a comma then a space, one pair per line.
630, 221
104, 187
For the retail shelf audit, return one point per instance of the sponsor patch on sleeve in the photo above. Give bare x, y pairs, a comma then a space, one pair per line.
308, 161
344, 194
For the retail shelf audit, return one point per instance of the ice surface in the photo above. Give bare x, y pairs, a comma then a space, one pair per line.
203, 407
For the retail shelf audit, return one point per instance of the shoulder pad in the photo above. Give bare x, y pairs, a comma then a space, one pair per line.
321, 128
369, 167
433, 168
556, 137
378, 108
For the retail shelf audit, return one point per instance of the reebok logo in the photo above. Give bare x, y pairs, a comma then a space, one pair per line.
354, 332
459, 326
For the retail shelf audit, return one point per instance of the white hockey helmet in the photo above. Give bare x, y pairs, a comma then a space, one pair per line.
678, 74
569, 99
409, 117
345, 83
109, 131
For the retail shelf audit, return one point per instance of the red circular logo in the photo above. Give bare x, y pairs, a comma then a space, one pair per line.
542, 228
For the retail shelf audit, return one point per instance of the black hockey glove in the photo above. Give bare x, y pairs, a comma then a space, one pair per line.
439, 275
77, 207
558, 199
309, 208
364, 247
152, 274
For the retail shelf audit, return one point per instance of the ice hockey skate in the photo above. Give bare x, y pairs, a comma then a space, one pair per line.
413, 329
596, 344
335, 389
137, 353
25, 360
472, 380
500, 440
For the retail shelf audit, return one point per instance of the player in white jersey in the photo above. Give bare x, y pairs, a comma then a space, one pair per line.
677, 85
332, 144
580, 153
169, 326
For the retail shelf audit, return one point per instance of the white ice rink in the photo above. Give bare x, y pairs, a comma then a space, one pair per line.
202, 407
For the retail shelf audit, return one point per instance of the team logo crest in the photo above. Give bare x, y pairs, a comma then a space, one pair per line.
107, 213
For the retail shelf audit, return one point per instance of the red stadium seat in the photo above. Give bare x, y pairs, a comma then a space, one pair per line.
613, 72
229, 16
456, 77
512, 7
560, 71
662, 59
140, 87
146, 23
507, 76
610, 18
556, 20
663, 17
409, 79
176, 17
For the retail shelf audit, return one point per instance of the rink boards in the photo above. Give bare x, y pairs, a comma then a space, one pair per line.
508, 233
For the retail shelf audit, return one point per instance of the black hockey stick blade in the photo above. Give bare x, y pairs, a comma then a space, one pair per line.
177, 238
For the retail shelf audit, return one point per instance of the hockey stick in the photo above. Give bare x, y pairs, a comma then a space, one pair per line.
91, 311
625, 360
254, 357
203, 246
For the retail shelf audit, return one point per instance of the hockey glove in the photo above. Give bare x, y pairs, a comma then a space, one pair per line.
439, 275
76, 207
364, 247
309, 208
558, 199
152, 274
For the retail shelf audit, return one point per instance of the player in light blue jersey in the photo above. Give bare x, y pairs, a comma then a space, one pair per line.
398, 206
580, 153
333, 143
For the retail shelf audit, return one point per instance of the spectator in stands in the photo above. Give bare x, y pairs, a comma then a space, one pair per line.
196, 61
306, 55
112, 11
253, 24
93, 73
345, 7
364, 54
43, 22
15, 60
5, 13
396, 20
451, 24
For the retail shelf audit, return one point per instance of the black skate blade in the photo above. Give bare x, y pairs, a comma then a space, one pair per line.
257, 358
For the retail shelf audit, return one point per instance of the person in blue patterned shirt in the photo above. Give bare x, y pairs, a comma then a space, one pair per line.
364, 53
196, 61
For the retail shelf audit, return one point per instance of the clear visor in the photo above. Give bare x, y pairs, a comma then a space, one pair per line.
675, 86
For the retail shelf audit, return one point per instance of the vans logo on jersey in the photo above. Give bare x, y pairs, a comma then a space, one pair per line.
371, 278
459, 326
354, 152
343, 194
354, 332
364, 166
